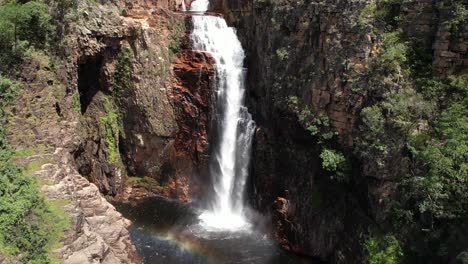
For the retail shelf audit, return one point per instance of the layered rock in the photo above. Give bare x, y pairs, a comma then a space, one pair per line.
150, 120
88, 136
307, 51
192, 95
431, 24
313, 54
167, 112
48, 132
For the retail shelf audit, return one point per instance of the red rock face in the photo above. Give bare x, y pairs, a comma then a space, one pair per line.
170, 146
191, 95
194, 72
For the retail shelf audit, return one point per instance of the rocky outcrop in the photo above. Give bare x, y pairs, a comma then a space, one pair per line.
156, 127
98, 232
142, 130
313, 54
433, 25
167, 109
306, 52
194, 73
46, 132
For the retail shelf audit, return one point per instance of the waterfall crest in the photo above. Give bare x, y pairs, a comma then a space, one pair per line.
231, 155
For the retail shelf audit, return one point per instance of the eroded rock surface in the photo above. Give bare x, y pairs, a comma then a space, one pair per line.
97, 232
314, 54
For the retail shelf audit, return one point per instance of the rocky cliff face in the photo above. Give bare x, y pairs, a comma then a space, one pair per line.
44, 133
306, 63
138, 116
123, 115
304, 53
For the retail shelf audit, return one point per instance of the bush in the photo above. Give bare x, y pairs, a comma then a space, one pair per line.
383, 250
335, 163
282, 53
22, 26
8, 90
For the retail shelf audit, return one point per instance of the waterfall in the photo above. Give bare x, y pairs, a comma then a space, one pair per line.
235, 127
183, 6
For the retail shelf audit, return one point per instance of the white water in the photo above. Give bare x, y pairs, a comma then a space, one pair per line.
183, 6
230, 159
199, 5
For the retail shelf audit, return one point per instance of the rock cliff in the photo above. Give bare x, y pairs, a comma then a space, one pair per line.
121, 112
307, 64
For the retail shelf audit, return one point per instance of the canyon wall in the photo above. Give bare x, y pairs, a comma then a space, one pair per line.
120, 112
144, 118
307, 64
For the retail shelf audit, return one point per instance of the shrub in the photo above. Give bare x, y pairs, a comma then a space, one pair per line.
335, 163
177, 30
383, 250
22, 26
8, 90
282, 54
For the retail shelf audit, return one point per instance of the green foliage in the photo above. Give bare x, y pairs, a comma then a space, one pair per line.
462, 258
8, 90
318, 126
439, 188
29, 227
177, 31
76, 104
146, 182
367, 13
393, 53
37, 149
383, 13
262, 3
387, 71
419, 122
383, 250
123, 74
34, 166
110, 126
335, 162
459, 18
282, 54
22, 26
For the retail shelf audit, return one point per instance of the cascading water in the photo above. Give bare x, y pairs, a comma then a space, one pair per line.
184, 8
230, 159
167, 231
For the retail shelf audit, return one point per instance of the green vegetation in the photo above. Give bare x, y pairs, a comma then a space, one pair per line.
123, 74
146, 182
110, 125
33, 166
336, 164
316, 125
23, 26
460, 16
8, 90
29, 227
414, 131
76, 104
177, 31
383, 250
282, 53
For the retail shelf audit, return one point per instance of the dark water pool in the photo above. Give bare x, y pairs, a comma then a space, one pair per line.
168, 232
